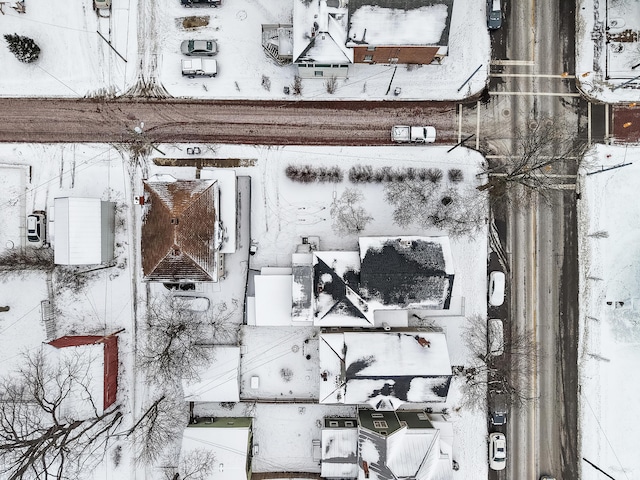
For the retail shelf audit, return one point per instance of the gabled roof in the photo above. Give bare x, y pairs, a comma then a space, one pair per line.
179, 231
320, 32
399, 22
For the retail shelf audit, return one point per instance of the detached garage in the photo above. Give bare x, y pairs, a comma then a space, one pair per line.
83, 231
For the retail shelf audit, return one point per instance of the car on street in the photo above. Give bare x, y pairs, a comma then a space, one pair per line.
499, 411
205, 48
201, 3
102, 7
36, 229
547, 477
494, 14
496, 288
497, 451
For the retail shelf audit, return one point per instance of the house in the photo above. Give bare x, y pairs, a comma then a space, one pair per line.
182, 233
399, 31
384, 369
100, 354
83, 231
377, 285
219, 381
405, 444
374, 287
330, 35
228, 439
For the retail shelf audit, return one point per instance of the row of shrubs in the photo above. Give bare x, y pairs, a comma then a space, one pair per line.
368, 174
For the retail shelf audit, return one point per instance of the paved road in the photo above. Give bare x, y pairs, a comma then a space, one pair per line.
526, 89
266, 123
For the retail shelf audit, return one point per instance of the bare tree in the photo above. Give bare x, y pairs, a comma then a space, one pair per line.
348, 216
19, 260
172, 347
457, 210
196, 464
43, 434
221, 327
492, 372
162, 422
544, 149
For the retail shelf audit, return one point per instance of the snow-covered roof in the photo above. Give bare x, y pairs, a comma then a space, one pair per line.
320, 32
228, 214
229, 446
219, 382
77, 231
339, 453
83, 368
399, 22
384, 369
273, 299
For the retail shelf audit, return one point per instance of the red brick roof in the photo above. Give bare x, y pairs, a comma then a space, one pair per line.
178, 231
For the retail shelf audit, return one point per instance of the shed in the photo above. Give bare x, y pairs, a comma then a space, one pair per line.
109, 381
83, 231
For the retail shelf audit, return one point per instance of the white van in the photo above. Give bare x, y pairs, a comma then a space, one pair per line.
495, 337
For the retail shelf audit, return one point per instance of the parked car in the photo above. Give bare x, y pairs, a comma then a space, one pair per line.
499, 411
207, 48
494, 14
496, 288
193, 303
416, 134
199, 67
180, 286
103, 7
495, 337
201, 3
547, 477
36, 229
497, 451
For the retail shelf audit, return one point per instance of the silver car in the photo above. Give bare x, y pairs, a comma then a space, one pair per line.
36, 229
200, 48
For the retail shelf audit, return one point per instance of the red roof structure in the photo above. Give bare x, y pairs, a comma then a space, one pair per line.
179, 231
110, 343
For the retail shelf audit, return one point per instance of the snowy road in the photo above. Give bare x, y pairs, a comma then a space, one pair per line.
266, 123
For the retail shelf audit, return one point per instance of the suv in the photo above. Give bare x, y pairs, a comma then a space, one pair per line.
102, 7
36, 229
201, 3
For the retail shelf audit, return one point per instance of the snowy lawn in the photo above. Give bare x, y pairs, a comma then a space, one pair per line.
609, 305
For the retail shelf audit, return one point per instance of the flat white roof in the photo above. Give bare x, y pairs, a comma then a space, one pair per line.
273, 299
77, 231
219, 382
228, 444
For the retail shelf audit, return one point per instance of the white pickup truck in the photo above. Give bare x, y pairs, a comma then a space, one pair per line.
405, 134
199, 67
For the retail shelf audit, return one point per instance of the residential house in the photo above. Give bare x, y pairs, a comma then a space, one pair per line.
330, 35
404, 444
384, 369
228, 439
182, 232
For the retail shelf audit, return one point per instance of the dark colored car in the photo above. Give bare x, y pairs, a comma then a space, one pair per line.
201, 3
205, 48
494, 14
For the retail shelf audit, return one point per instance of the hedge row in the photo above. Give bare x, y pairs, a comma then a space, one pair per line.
368, 174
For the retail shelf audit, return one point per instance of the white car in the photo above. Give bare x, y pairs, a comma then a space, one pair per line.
496, 288
497, 451
103, 7
36, 229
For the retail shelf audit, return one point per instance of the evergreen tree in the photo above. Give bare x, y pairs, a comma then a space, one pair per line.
24, 48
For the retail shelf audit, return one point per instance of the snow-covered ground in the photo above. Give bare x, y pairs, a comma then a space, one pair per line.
609, 346
146, 35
